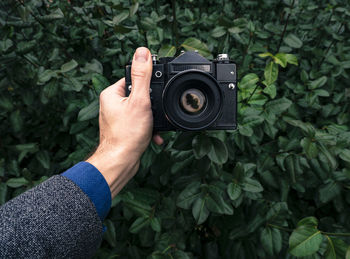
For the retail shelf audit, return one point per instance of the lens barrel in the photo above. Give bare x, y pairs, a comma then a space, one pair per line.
192, 100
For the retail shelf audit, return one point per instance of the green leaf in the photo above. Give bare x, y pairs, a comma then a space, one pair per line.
16, 182
16, 121
167, 51
89, 112
201, 146
281, 59
200, 211
139, 224
233, 191
305, 241
245, 130
184, 141
3, 193
44, 158
309, 147
293, 41
266, 54
188, 195
308, 221
248, 81
192, 44
329, 191
99, 82
120, 17
331, 159
345, 155
5, 45
271, 240
318, 82
29, 147
69, 66
54, 15
49, 90
76, 84
271, 73
133, 9
291, 59
271, 90
110, 234
278, 106
337, 249
122, 29
330, 252
218, 154
155, 224
6, 103
139, 207
251, 185
216, 203
46, 75
218, 32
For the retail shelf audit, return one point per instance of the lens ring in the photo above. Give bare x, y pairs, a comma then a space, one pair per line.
175, 88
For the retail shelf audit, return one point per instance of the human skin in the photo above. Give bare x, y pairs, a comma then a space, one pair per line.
125, 125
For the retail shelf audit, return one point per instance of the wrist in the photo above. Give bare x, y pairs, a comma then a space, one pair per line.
117, 166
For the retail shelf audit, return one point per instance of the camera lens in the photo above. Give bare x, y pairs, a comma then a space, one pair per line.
192, 101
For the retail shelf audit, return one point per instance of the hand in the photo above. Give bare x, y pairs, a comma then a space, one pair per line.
125, 125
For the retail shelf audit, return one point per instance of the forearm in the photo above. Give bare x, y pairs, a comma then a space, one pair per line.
117, 166
55, 219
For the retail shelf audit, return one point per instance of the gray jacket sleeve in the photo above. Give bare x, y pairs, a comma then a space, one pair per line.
56, 219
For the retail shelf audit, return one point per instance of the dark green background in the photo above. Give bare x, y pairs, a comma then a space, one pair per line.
234, 194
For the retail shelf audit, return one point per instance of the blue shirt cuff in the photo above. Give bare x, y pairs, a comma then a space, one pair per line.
93, 184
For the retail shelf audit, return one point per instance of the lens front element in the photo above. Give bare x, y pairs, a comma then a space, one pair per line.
192, 101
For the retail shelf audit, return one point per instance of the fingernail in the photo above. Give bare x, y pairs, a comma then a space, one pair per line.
141, 55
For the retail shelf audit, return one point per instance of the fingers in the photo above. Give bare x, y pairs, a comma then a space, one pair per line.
117, 88
158, 139
141, 72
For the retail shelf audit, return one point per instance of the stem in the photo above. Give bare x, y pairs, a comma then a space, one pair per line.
256, 87
173, 5
285, 28
336, 234
166, 249
29, 61
281, 228
322, 232
330, 45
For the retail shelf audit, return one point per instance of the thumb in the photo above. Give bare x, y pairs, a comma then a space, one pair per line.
141, 72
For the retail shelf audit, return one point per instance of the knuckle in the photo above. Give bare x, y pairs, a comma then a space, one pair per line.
138, 73
103, 95
142, 103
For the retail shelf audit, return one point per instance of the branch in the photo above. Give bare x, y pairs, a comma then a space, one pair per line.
285, 28
330, 45
278, 227
173, 6
336, 234
322, 232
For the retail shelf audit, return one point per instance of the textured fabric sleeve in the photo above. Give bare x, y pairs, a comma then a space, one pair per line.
93, 184
56, 219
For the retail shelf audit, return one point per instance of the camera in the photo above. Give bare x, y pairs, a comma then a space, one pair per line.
191, 93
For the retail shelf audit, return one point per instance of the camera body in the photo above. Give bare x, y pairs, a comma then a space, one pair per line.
191, 93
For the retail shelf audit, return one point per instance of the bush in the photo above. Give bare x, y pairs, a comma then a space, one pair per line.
278, 187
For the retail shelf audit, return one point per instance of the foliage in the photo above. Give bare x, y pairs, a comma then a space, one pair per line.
278, 187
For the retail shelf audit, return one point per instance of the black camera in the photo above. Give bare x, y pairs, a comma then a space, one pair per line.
191, 93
